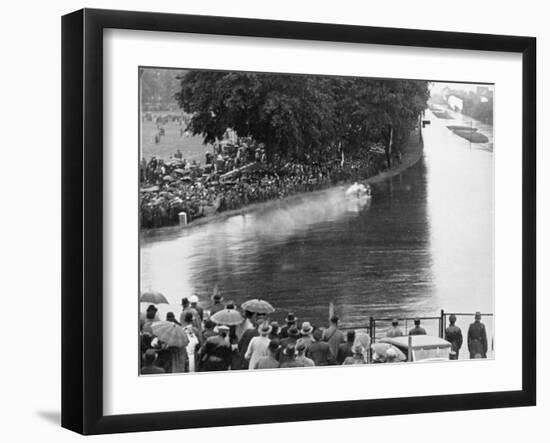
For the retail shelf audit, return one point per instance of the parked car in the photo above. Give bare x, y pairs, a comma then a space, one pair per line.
421, 347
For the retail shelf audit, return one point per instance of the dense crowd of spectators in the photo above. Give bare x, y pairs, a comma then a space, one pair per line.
235, 176
256, 343
208, 341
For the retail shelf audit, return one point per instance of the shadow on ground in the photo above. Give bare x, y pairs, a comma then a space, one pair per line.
54, 417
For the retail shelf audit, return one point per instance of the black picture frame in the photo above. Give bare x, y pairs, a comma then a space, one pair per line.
82, 218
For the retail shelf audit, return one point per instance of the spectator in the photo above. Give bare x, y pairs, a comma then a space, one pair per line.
149, 366
453, 335
395, 330
417, 330
269, 361
345, 349
477, 338
334, 336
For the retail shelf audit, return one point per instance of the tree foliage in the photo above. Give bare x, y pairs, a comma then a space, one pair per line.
300, 115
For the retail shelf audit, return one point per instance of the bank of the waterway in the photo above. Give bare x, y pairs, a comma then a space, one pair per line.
411, 153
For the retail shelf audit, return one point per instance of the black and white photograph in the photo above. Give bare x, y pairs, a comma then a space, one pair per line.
302, 220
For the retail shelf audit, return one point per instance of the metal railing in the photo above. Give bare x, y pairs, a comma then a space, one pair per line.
377, 328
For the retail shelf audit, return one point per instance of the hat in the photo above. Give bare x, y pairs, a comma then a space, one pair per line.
217, 297
150, 355
184, 301
273, 345
289, 350
391, 354
300, 346
306, 328
478, 315
170, 316
221, 328
274, 325
230, 305
395, 322
193, 299
293, 332
264, 328
152, 308
417, 321
291, 318
317, 334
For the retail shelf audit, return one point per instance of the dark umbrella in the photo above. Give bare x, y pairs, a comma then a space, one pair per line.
153, 297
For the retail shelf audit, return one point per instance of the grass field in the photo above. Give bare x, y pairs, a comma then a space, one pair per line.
191, 147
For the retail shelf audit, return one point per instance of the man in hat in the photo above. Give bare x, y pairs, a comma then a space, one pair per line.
172, 318
248, 323
150, 318
149, 366
477, 338
453, 335
258, 346
319, 351
301, 358
274, 330
395, 330
417, 330
186, 308
215, 354
269, 361
345, 349
290, 322
333, 336
217, 306
290, 357
306, 334
194, 301
208, 329
293, 334
245, 339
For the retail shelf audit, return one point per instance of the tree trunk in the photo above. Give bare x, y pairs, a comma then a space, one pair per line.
389, 146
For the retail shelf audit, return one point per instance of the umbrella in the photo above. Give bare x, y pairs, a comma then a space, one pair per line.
379, 352
227, 317
153, 297
258, 306
170, 333
150, 189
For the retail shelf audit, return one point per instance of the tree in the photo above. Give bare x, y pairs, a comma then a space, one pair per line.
301, 115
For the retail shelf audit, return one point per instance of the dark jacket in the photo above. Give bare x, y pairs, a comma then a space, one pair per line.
453, 335
344, 350
477, 340
319, 352
417, 330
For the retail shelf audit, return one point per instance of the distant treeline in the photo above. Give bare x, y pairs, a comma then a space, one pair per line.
302, 116
158, 87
